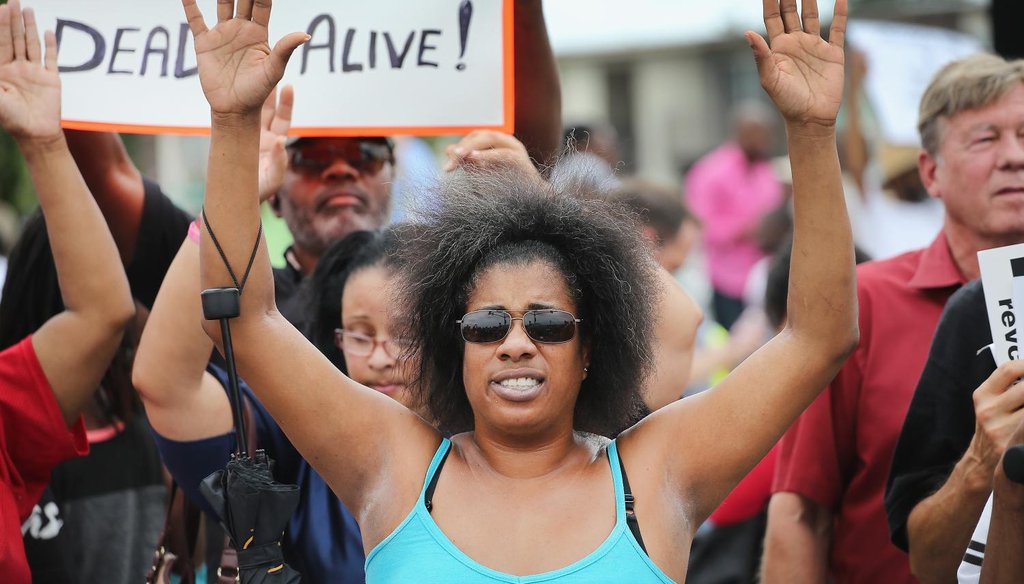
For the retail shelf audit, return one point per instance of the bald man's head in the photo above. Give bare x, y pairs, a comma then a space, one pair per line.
754, 125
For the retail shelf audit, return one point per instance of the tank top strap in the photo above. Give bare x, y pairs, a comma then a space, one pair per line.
616, 466
434, 471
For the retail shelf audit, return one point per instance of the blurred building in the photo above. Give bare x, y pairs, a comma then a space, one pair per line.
664, 73
667, 73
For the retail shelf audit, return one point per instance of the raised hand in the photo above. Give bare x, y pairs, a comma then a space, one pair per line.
237, 67
801, 72
29, 85
997, 413
275, 121
489, 150
484, 148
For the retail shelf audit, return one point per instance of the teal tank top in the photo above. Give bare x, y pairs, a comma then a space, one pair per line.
418, 551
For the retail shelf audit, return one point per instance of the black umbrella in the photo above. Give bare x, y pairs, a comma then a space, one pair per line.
254, 509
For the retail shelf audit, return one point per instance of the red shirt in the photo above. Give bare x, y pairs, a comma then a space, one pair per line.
839, 451
750, 497
33, 439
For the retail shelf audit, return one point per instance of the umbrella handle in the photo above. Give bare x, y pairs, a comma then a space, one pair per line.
223, 304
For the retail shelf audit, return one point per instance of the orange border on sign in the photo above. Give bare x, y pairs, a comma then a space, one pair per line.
508, 126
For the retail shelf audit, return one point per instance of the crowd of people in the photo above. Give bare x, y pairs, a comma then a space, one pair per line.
510, 384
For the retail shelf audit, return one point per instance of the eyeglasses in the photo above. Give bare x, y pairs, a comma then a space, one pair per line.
542, 326
360, 345
312, 159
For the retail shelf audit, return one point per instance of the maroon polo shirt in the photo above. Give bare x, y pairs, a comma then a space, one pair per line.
839, 450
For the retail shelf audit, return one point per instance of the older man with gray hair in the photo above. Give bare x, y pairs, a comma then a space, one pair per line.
964, 411
826, 518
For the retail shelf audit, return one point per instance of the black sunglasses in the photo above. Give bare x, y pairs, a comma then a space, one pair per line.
364, 156
542, 326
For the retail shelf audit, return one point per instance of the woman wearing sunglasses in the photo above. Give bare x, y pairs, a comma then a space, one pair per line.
533, 315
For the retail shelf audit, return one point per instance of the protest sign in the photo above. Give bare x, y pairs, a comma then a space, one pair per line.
901, 60
424, 67
1004, 298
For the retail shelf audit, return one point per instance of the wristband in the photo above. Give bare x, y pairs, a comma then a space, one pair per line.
194, 230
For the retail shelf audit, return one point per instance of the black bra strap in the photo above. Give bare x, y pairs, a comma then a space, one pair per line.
634, 525
428, 495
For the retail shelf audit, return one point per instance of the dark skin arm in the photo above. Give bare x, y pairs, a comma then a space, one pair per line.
238, 69
1004, 552
114, 181
75, 346
538, 92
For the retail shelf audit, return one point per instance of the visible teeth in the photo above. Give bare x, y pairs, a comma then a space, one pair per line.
520, 383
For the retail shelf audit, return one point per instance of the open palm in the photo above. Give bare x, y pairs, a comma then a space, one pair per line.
275, 121
29, 100
801, 72
237, 67
29, 87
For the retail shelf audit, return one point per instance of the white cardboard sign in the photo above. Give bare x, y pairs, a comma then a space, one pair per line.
1004, 298
371, 68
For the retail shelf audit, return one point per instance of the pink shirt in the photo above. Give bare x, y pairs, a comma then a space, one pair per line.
730, 195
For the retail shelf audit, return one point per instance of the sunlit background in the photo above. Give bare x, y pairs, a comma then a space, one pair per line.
665, 74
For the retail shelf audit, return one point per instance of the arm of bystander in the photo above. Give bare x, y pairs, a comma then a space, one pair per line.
803, 74
93, 286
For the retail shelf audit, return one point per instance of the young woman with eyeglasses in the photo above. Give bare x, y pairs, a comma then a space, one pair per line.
189, 411
356, 322
528, 489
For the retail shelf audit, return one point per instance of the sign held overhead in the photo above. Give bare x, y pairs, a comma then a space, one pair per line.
423, 67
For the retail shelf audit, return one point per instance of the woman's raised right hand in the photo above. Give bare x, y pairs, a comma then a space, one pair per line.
237, 67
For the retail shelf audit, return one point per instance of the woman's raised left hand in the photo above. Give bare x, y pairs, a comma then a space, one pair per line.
800, 71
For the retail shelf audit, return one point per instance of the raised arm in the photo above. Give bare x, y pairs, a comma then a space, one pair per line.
183, 401
114, 181
343, 429
803, 74
538, 90
93, 286
853, 138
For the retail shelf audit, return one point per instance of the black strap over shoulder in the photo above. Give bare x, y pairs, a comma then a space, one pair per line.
428, 495
631, 521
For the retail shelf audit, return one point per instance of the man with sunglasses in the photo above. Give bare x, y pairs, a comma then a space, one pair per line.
335, 186
332, 187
